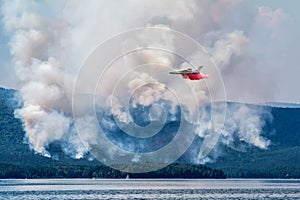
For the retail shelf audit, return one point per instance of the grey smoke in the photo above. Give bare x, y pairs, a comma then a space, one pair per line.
48, 48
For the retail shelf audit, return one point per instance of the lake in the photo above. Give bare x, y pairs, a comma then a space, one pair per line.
149, 189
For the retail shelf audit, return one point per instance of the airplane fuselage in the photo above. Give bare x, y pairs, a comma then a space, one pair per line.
194, 76
189, 73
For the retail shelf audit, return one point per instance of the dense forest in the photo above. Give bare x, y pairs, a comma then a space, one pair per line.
280, 160
77, 171
18, 161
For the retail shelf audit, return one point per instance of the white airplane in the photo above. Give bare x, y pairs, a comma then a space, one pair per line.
189, 73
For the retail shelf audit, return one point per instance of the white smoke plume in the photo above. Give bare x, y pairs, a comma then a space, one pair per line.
247, 130
48, 48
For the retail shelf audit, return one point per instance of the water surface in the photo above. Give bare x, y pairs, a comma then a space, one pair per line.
149, 189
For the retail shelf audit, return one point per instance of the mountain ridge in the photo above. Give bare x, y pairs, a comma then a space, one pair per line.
280, 160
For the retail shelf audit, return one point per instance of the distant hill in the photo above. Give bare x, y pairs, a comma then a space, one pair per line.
13, 148
18, 161
282, 105
281, 160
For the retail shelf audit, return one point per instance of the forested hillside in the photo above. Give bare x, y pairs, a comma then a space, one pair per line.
280, 160
18, 161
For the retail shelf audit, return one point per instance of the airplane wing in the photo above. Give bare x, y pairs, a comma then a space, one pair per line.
187, 71
175, 72
183, 71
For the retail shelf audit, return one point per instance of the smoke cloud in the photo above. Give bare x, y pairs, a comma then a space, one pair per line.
48, 48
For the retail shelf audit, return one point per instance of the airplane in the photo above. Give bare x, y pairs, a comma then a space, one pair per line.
189, 73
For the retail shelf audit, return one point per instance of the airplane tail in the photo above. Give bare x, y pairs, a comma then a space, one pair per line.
199, 68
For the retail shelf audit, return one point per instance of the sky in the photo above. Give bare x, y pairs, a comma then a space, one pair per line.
268, 67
